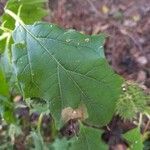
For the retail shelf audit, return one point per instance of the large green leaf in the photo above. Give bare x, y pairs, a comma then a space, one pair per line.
66, 68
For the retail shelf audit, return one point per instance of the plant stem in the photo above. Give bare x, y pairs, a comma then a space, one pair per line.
7, 50
14, 16
39, 122
54, 131
4, 36
140, 120
19, 10
5, 29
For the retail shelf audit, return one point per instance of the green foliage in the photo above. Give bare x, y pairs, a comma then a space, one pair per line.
87, 139
4, 92
14, 131
8, 69
134, 139
26, 14
5, 142
38, 105
62, 144
29, 16
24, 8
38, 141
147, 144
6, 106
59, 65
3, 36
131, 101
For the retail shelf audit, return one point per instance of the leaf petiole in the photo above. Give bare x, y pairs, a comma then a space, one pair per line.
14, 16
39, 122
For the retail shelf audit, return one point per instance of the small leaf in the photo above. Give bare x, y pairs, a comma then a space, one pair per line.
3, 37
38, 141
67, 69
39, 106
8, 70
61, 144
27, 14
8, 115
134, 139
88, 139
6, 107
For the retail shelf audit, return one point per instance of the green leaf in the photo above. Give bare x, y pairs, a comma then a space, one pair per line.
134, 139
146, 145
3, 36
39, 106
67, 69
60, 144
31, 11
38, 141
6, 108
3, 85
8, 70
88, 139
